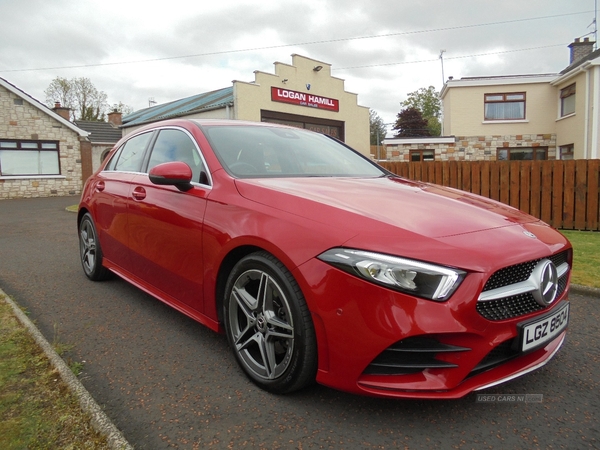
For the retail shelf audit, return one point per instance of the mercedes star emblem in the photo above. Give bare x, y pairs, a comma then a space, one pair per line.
546, 276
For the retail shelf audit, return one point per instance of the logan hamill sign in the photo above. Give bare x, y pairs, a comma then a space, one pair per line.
304, 99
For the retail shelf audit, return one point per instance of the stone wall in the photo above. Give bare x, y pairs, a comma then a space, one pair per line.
21, 120
473, 148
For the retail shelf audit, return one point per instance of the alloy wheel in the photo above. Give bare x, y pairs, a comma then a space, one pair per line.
261, 324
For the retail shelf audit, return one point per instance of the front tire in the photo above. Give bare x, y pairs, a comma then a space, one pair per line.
90, 250
268, 325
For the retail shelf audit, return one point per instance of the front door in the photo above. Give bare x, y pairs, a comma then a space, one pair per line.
165, 224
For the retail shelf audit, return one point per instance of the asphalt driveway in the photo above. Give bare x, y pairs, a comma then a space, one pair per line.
168, 382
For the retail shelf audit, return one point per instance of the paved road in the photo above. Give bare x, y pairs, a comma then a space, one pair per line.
167, 382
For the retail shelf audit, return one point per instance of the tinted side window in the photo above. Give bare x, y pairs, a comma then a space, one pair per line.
175, 145
129, 158
110, 165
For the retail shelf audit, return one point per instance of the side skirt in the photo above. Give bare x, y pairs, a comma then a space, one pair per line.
171, 301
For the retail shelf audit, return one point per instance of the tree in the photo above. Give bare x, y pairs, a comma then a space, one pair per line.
378, 128
60, 91
122, 108
428, 102
411, 123
434, 125
91, 103
81, 96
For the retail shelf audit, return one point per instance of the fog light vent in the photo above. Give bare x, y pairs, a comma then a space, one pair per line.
497, 356
412, 355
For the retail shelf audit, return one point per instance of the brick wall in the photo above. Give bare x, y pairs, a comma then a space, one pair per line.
24, 121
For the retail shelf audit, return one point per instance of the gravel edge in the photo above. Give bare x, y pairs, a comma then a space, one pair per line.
100, 421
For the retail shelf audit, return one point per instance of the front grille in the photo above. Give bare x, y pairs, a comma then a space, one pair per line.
521, 304
560, 258
509, 307
412, 355
510, 275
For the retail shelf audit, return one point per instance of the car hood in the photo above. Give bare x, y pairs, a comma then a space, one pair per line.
376, 204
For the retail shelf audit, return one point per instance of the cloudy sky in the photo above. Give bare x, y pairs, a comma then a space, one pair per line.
135, 50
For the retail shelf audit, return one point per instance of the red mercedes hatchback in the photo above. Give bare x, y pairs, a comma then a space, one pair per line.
320, 265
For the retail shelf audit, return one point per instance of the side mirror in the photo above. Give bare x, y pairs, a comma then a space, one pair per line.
175, 173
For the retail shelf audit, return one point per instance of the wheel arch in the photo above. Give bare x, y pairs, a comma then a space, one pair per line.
241, 247
80, 214
230, 260
227, 264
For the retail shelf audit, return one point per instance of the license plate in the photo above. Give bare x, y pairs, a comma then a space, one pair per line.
543, 330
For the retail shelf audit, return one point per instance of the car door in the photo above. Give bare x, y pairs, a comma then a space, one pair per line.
165, 223
112, 192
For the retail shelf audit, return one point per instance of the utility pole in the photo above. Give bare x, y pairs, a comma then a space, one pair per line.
442, 60
595, 25
443, 82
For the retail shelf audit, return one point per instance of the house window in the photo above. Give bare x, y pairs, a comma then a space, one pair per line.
566, 152
422, 155
567, 100
522, 154
510, 106
24, 158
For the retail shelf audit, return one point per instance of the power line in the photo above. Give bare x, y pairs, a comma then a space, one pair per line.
451, 57
328, 41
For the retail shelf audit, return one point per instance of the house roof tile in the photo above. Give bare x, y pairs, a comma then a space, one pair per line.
595, 54
100, 132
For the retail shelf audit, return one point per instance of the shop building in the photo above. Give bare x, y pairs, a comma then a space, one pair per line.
303, 94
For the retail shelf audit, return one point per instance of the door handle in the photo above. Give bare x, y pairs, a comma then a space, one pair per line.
139, 193
100, 186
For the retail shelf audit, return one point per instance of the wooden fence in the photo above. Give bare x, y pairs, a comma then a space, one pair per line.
564, 194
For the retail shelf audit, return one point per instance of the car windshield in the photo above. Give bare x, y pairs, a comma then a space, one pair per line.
262, 151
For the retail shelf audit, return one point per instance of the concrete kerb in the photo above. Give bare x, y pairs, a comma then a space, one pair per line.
584, 290
99, 419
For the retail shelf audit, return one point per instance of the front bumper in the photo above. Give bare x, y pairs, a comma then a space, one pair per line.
356, 322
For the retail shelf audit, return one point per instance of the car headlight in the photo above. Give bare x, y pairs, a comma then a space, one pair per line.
405, 275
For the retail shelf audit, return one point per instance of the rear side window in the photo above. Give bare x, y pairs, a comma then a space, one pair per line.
130, 156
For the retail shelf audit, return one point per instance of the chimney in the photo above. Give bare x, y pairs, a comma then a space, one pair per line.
580, 49
63, 112
115, 118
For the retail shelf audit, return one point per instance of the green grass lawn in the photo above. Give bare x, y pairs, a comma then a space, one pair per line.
37, 410
586, 257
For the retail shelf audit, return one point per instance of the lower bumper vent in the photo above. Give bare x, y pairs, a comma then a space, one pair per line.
499, 355
412, 355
